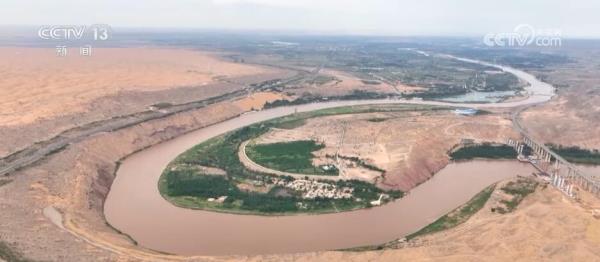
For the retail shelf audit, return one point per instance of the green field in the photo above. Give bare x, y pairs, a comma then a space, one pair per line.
292, 124
185, 186
518, 190
293, 157
485, 150
577, 155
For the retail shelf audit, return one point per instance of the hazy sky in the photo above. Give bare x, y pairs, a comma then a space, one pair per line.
575, 18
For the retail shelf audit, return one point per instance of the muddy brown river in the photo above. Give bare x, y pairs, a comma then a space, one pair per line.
135, 206
156, 224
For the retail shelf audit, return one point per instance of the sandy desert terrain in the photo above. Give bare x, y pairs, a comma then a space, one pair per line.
36, 83
571, 120
573, 117
42, 94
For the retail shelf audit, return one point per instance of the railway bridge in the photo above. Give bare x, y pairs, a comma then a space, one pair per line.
563, 175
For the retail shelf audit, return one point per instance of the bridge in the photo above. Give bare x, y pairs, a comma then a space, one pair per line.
563, 175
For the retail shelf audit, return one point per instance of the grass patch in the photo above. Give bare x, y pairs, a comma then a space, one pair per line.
4, 182
10, 255
321, 80
485, 150
162, 105
292, 124
518, 190
293, 157
458, 216
186, 183
577, 155
377, 119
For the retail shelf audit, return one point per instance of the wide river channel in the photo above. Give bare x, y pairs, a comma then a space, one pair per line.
135, 206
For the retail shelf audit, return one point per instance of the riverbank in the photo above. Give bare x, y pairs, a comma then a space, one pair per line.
452, 219
508, 195
232, 234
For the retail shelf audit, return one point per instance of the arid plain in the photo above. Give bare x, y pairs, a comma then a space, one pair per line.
53, 210
43, 94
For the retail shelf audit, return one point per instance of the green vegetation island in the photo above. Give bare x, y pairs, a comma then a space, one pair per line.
211, 177
483, 150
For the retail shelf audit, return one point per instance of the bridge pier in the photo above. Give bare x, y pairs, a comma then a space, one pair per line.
516, 144
520, 148
586, 186
543, 156
570, 192
561, 181
553, 163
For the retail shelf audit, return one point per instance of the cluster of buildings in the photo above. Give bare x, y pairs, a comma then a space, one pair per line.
314, 189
